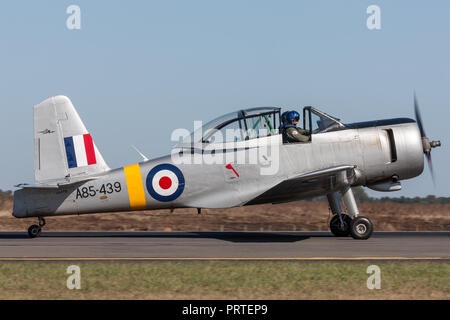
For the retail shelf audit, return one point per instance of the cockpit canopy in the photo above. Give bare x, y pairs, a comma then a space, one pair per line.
256, 123
237, 126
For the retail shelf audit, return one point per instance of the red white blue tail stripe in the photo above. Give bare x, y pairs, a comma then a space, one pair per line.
80, 151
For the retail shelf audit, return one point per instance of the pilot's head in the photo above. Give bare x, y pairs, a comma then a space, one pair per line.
292, 117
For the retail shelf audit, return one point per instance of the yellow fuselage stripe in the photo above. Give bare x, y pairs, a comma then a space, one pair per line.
135, 187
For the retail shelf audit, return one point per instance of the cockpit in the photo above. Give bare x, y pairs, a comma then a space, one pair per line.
257, 123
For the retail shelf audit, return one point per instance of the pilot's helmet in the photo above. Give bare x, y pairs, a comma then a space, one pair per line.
292, 116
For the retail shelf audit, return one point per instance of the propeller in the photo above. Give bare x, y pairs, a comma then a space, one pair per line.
427, 144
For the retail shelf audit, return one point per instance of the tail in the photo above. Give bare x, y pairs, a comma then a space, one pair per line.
63, 148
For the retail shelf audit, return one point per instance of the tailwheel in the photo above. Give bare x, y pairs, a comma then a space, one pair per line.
361, 228
340, 230
34, 231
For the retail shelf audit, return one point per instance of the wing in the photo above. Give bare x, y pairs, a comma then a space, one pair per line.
309, 184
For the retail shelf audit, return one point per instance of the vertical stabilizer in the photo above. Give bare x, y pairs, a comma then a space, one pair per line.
63, 148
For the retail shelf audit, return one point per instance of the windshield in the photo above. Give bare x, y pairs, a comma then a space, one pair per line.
322, 122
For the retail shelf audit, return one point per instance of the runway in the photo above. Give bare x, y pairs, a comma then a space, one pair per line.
227, 246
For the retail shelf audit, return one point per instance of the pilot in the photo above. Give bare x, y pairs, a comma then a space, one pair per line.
291, 133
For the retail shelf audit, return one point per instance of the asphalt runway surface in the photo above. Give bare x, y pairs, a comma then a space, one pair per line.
233, 246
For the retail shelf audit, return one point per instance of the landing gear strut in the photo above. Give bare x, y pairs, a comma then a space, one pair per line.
35, 230
342, 225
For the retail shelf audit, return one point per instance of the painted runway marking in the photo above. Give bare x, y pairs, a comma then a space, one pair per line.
229, 259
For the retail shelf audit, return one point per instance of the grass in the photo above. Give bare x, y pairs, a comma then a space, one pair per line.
220, 280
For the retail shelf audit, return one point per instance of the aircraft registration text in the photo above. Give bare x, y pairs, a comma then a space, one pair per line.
108, 188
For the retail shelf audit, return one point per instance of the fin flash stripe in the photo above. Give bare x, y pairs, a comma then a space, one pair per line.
135, 187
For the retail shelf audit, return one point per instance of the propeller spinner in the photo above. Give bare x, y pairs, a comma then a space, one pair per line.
427, 144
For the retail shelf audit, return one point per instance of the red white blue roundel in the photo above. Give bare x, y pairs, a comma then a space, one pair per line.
165, 182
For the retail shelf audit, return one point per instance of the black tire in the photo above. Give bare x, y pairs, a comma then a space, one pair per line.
361, 228
34, 231
335, 225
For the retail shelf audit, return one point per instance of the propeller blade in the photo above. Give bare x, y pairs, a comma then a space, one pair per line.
418, 117
430, 165
427, 145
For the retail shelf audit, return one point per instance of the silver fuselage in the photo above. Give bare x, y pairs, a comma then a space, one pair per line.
381, 153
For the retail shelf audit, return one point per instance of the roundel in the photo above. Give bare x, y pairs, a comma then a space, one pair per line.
165, 182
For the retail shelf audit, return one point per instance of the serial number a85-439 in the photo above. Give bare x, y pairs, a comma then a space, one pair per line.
107, 188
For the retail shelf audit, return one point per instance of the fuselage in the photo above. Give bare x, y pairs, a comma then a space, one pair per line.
229, 175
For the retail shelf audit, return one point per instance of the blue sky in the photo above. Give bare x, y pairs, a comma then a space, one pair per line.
139, 69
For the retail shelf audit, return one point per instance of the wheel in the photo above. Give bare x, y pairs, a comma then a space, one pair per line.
335, 225
361, 228
34, 231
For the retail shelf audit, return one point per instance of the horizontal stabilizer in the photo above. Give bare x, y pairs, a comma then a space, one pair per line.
54, 185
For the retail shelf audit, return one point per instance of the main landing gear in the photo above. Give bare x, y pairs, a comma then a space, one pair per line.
343, 225
35, 230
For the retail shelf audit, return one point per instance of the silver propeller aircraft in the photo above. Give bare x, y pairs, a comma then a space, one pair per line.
205, 170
